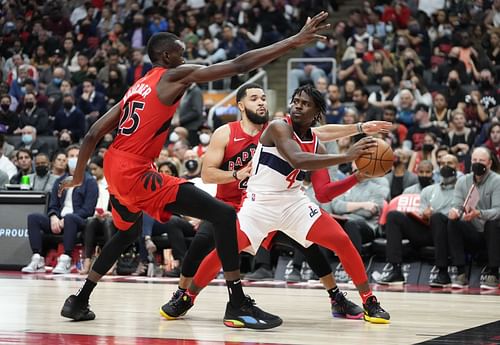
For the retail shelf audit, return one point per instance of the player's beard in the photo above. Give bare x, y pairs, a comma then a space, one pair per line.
257, 119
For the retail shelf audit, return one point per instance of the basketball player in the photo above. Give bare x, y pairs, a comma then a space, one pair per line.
273, 198
226, 163
143, 117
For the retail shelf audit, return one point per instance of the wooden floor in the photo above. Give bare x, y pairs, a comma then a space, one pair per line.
128, 312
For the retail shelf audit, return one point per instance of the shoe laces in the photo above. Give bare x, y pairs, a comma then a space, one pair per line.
178, 299
373, 304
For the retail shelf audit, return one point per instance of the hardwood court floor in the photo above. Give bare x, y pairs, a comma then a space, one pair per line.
128, 312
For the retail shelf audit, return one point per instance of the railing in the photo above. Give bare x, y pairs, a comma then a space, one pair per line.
311, 61
260, 75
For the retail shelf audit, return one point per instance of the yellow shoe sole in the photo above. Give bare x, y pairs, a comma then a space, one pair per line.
166, 316
378, 320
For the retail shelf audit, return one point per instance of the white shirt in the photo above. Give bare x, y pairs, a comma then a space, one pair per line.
68, 203
103, 199
7, 166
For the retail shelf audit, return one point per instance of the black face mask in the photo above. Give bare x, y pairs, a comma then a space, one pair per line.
485, 84
68, 105
479, 169
425, 181
427, 147
447, 171
5, 107
42, 170
453, 83
63, 143
191, 165
29, 105
385, 86
360, 55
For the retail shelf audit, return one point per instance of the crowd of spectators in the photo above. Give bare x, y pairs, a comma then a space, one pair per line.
430, 68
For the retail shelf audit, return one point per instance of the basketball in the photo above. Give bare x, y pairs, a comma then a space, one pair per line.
377, 163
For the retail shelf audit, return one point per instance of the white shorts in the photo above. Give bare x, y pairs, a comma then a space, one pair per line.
294, 214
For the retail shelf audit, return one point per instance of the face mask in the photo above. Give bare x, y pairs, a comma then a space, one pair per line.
447, 171
42, 170
63, 144
5, 107
479, 169
57, 81
425, 181
385, 87
68, 105
320, 45
29, 105
360, 55
204, 138
191, 165
485, 84
388, 28
427, 147
27, 139
72, 163
453, 84
174, 137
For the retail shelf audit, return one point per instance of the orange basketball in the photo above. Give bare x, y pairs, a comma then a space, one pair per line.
377, 163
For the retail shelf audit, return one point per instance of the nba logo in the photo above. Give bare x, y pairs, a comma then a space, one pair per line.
253, 197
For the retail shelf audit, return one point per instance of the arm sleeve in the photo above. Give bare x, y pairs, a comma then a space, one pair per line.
325, 189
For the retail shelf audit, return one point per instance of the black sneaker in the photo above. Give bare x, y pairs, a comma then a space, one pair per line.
178, 305
77, 310
374, 313
394, 277
342, 307
249, 316
442, 280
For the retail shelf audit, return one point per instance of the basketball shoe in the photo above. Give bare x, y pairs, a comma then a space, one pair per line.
76, 309
374, 313
37, 265
178, 305
249, 316
342, 307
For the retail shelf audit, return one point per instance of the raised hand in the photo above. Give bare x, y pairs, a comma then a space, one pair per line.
310, 31
363, 146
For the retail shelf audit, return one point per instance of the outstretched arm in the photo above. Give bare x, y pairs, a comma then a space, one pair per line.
251, 60
333, 132
280, 133
105, 124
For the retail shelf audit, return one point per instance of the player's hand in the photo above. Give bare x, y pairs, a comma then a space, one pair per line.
453, 214
310, 30
68, 182
363, 146
374, 127
55, 226
468, 216
244, 172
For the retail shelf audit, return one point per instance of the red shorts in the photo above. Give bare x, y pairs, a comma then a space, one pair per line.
135, 185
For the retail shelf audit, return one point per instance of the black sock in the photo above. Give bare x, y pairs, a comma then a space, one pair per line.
333, 292
86, 290
236, 296
181, 289
36, 251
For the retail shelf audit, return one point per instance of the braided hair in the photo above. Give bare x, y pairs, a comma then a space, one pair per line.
318, 99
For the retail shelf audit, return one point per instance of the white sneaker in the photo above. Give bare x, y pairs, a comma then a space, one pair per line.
37, 265
63, 265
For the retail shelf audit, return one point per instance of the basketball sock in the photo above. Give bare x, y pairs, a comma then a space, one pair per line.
366, 295
191, 295
333, 292
181, 289
87, 288
236, 295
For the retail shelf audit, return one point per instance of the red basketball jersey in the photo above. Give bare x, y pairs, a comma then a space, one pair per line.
306, 146
239, 152
144, 121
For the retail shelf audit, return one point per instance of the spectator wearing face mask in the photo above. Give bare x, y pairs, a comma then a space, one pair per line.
29, 141
452, 63
42, 179
424, 175
70, 117
192, 165
9, 121
205, 134
34, 116
420, 229
454, 92
472, 229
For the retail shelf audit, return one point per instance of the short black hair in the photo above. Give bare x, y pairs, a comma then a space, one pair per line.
40, 154
364, 91
391, 108
242, 91
317, 97
159, 43
97, 160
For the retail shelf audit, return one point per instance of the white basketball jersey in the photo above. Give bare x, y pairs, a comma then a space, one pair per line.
271, 173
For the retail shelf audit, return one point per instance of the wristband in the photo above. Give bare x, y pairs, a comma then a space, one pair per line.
235, 174
359, 126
